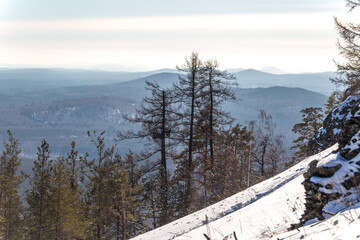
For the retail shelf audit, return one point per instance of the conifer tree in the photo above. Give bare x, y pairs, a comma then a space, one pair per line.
348, 44
73, 165
99, 172
69, 220
150, 197
1, 222
333, 101
215, 90
40, 217
188, 91
126, 199
157, 116
231, 168
311, 123
10, 203
180, 189
136, 198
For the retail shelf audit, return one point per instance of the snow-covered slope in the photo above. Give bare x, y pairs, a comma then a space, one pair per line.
329, 191
260, 212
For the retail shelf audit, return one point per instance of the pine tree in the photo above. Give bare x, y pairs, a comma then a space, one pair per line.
68, 208
2, 221
99, 173
180, 190
352, 4
134, 177
129, 220
150, 196
231, 168
311, 123
74, 167
348, 44
40, 217
10, 203
333, 101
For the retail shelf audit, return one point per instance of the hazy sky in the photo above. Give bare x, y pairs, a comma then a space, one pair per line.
293, 35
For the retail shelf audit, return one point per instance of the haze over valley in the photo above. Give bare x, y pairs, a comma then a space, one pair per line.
62, 105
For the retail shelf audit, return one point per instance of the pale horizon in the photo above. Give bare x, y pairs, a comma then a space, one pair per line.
294, 37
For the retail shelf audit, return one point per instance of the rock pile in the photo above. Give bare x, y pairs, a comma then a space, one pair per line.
332, 184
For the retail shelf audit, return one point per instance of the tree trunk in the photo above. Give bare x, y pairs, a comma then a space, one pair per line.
211, 120
263, 157
118, 223
124, 219
192, 115
163, 170
41, 204
98, 232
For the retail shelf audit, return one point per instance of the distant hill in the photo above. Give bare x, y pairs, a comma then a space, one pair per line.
273, 70
283, 103
65, 114
24, 80
17, 80
318, 82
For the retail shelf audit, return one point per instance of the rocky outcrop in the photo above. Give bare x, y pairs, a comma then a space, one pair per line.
332, 184
333, 124
349, 139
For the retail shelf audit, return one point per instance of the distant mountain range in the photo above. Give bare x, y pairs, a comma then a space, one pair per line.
61, 105
22, 80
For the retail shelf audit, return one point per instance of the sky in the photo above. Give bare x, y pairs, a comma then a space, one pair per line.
133, 35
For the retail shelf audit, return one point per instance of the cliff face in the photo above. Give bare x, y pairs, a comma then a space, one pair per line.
332, 184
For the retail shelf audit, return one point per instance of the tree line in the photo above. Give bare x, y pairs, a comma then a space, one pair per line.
69, 197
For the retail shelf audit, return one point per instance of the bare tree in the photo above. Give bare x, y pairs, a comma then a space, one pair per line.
158, 119
267, 151
215, 91
188, 91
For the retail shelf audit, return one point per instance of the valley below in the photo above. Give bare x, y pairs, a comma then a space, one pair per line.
62, 105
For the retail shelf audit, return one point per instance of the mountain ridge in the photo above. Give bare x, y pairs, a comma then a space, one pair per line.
43, 78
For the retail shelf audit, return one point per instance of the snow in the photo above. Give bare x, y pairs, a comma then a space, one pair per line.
336, 131
320, 132
343, 225
355, 97
345, 172
354, 142
345, 105
264, 211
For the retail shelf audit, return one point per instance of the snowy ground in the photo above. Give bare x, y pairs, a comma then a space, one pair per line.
344, 226
264, 211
